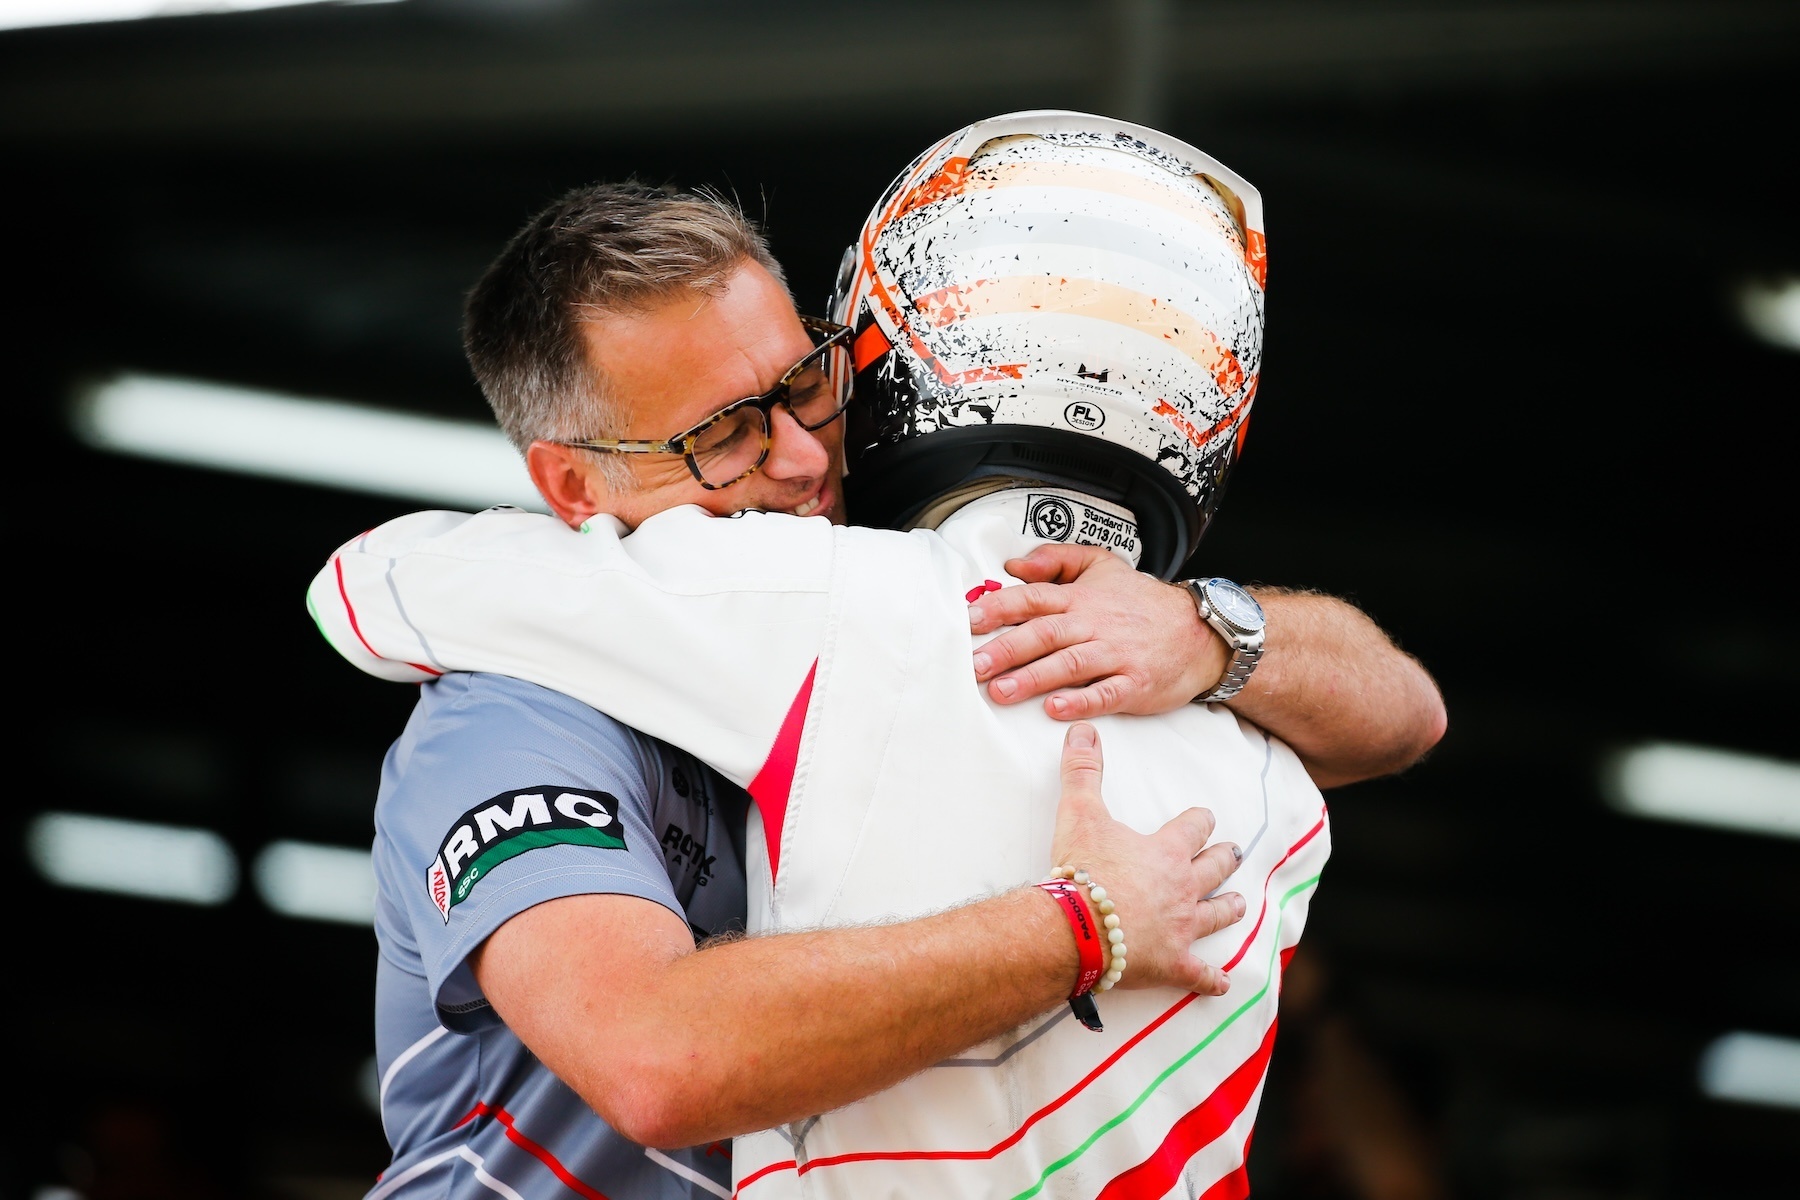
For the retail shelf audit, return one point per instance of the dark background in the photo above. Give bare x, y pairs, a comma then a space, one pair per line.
1508, 407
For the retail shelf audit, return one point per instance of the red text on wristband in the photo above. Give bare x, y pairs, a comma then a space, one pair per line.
1089, 944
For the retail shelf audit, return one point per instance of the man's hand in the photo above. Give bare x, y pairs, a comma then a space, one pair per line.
1162, 884
1102, 638
674, 1046
1099, 636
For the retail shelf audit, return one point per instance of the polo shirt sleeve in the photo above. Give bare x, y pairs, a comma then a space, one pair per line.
499, 796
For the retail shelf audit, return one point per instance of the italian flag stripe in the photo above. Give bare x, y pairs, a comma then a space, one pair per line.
1175, 1066
1206, 1121
1087, 1143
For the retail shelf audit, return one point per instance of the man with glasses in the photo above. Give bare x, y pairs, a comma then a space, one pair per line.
732, 444
545, 873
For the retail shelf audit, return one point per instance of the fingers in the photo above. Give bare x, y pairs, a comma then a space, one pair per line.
1081, 809
1190, 830
1212, 914
1029, 642
1055, 563
1217, 912
1016, 605
1071, 666
1201, 977
1081, 762
1217, 864
1113, 694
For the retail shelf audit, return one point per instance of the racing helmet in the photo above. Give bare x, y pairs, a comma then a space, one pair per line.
1056, 298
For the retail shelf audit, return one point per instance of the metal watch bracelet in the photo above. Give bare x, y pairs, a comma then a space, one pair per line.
1246, 648
1237, 673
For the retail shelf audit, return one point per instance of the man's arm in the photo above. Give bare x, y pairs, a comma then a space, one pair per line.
1103, 638
1337, 690
648, 628
674, 1047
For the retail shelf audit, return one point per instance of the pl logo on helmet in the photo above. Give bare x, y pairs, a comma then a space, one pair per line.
1057, 298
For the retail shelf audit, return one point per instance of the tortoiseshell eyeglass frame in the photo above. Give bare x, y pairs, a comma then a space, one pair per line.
831, 333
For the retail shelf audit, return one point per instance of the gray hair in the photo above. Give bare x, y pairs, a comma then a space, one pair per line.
604, 248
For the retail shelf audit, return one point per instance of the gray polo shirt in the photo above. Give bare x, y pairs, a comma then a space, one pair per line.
498, 796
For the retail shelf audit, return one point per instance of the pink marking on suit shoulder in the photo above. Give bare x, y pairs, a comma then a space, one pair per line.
775, 779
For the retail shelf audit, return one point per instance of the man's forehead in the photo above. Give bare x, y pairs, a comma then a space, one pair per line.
696, 351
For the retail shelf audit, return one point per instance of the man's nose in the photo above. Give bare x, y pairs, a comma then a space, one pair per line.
793, 452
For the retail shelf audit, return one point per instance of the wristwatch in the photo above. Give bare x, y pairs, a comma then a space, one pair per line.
1236, 617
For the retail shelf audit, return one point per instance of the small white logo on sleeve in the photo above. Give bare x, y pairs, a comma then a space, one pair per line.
437, 882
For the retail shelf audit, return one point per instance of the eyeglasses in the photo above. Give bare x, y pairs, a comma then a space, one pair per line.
733, 443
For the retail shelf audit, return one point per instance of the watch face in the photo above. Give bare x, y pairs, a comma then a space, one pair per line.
1234, 604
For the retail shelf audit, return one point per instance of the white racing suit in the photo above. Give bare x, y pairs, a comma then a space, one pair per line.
827, 669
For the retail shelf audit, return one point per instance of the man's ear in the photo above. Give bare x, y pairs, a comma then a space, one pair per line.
566, 480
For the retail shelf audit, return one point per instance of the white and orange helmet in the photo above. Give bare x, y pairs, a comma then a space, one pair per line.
1060, 298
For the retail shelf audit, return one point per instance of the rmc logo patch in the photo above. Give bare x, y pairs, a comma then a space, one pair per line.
512, 823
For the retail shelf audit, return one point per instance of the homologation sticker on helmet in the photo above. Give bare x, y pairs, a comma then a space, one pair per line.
1061, 519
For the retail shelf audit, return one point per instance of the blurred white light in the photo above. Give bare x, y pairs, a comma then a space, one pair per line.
1754, 1068
463, 463
1705, 786
167, 862
320, 883
368, 1084
18, 14
1771, 308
